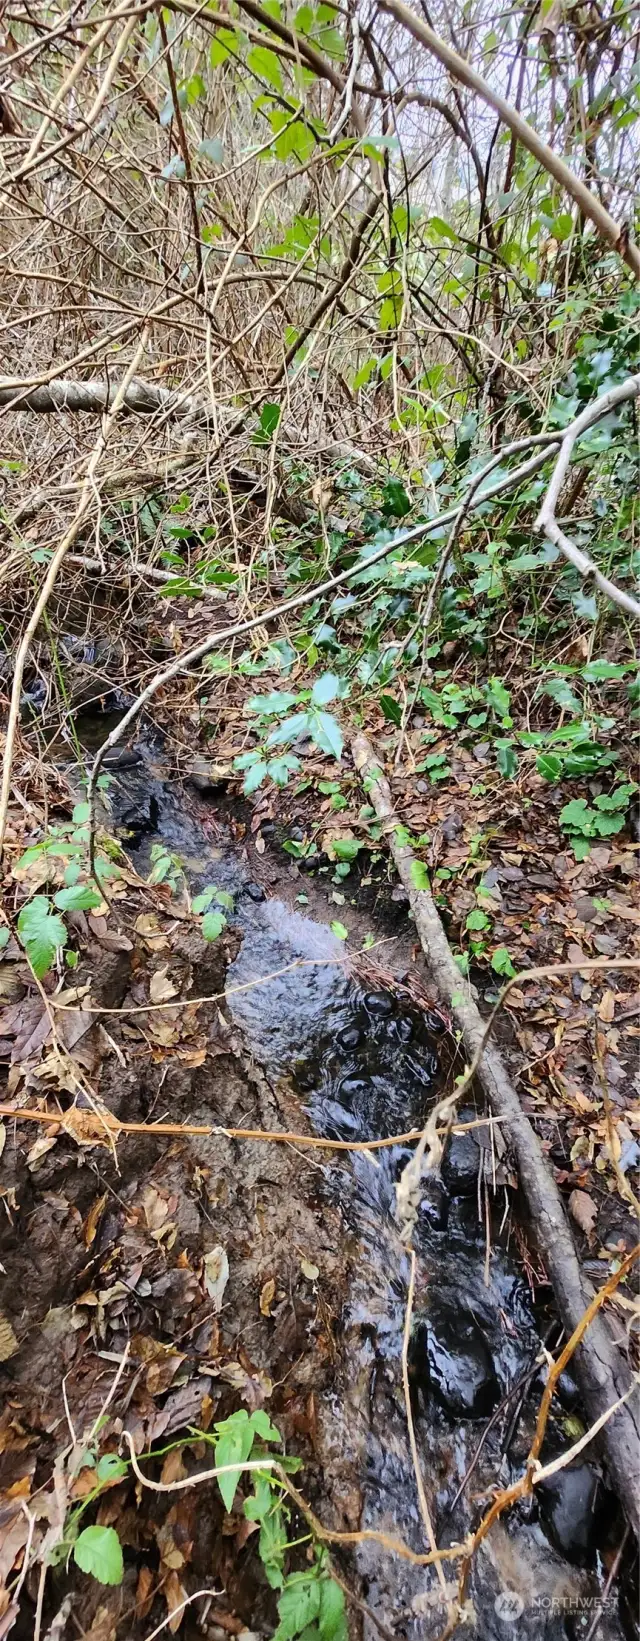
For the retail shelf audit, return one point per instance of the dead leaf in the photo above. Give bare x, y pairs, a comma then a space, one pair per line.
260, 844
160, 987
103, 1627
93, 1218
216, 1275
175, 1596
8, 1342
267, 1297
3, 1137
39, 1150
310, 1271
607, 1007
90, 1127
174, 1468
144, 1592
584, 1211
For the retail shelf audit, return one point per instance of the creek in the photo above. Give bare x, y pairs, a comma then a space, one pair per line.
364, 1062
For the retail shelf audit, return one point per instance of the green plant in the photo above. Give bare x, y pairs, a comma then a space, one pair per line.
61, 858
213, 921
605, 817
321, 727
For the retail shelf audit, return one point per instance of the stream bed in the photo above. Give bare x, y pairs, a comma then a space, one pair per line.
363, 1062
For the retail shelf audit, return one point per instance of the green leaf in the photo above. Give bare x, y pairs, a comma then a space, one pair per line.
266, 64
618, 799
202, 902
326, 733
391, 708
98, 1551
212, 925
269, 419
501, 962
5, 936
332, 1619
549, 765
291, 728
339, 930
79, 897
325, 689
224, 898
507, 759
110, 1467
561, 692
254, 778
280, 769
596, 672
299, 1604
234, 1444
477, 920
576, 816
345, 848
81, 813
420, 875
211, 149
263, 1427
174, 170
581, 848
42, 934
498, 697
271, 705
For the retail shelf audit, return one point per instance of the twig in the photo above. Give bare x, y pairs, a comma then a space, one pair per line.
422, 1497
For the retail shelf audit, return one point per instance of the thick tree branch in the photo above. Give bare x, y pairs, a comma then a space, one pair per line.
614, 235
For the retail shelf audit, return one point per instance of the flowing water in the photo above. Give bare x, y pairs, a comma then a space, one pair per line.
366, 1064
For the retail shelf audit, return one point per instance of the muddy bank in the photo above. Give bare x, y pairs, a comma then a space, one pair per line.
100, 1253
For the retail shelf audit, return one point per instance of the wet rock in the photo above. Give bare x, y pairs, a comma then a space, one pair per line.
433, 1022
568, 1504
434, 1205
567, 1392
379, 1003
253, 891
356, 1090
430, 1066
450, 1357
462, 1160
350, 1037
404, 1028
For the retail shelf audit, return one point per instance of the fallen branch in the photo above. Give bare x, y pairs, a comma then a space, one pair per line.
87, 398
602, 1373
461, 70
547, 521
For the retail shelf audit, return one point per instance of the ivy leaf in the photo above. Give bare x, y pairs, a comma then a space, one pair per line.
79, 897
212, 925
420, 875
98, 1551
501, 962
42, 934
477, 920
326, 733
345, 848
391, 708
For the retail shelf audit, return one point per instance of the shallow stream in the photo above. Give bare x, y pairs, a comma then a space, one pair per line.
365, 1063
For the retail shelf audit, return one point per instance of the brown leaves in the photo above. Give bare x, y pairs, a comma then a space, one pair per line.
216, 1275
583, 1209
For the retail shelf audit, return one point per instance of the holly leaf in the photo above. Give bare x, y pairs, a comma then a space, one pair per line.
327, 734
98, 1551
42, 934
325, 689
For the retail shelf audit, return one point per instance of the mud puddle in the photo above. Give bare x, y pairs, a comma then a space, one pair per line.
363, 1063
